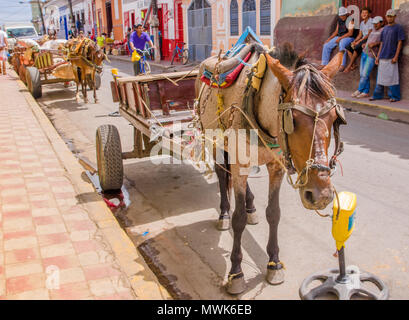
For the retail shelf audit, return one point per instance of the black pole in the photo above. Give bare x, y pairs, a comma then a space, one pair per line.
342, 278
71, 14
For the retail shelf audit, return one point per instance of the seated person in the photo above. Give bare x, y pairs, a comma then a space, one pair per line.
368, 58
342, 36
355, 48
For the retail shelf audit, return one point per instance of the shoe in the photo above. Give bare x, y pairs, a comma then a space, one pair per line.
363, 95
356, 94
393, 100
373, 99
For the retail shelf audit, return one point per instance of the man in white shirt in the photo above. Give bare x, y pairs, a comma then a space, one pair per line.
3, 51
356, 47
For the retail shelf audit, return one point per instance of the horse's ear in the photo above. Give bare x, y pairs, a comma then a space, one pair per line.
333, 66
282, 73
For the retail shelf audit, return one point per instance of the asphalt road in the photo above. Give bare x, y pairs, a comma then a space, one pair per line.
175, 207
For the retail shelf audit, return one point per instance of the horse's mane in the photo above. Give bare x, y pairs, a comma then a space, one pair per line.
316, 83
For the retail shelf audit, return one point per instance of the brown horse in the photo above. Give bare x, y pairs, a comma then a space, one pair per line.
293, 109
86, 59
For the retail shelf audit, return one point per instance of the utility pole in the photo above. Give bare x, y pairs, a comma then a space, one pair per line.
155, 29
41, 15
71, 14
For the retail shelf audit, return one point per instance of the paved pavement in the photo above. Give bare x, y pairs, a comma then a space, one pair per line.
175, 207
58, 240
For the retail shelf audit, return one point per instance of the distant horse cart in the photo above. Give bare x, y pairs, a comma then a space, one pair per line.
38, 66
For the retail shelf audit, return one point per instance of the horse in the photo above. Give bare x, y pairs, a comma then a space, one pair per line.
86, 59
294, 110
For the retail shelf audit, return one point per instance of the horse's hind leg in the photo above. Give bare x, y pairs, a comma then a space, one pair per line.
236, 284
252, 217
77, 82
224, 181
84, 86
94, 86
275, 272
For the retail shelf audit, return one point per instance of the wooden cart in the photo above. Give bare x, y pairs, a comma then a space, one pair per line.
144, 101
37, 70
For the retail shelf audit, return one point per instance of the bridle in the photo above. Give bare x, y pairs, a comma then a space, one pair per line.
287, 128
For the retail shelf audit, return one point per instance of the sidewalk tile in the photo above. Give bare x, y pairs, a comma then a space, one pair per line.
18, 234
44, 212
56, 250
25, 283
51, 229
46, 220
18, 224
62, 262
40, 294
23, 269
20, 243
22, 255
71, 291
87, 245
51, 239
102, 287
71, 275
100, 271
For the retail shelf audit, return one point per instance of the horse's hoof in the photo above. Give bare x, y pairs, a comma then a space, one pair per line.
275, 277
252, 218
223, 224
236, 285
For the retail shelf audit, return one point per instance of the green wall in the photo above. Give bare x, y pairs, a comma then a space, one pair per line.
291, 8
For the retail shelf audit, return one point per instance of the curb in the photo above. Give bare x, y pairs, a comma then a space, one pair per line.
396, 114
142, 280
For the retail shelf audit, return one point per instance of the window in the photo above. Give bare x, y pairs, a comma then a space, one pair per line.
265, 17
234, 18
199, 4
249, 15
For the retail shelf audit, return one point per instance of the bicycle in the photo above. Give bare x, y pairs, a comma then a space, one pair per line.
181, 53
144, 66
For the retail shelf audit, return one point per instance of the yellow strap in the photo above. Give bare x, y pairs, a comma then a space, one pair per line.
273, 264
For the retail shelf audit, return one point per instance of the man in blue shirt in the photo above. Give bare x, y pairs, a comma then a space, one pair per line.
138, 40
392, 38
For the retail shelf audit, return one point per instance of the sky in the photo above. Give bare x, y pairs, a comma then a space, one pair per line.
12, 11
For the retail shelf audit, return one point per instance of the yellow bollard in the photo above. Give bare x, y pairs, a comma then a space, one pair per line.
114, 71
343, 225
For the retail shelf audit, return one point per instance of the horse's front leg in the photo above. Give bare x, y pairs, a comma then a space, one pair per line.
236, 283
252, 218
275, 272
94, 87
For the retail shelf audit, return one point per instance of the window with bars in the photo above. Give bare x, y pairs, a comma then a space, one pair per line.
234, 18
249, 15
265, 17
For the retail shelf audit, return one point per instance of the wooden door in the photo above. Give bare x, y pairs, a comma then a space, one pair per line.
378, 7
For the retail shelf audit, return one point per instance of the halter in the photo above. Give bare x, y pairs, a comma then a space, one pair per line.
287, 128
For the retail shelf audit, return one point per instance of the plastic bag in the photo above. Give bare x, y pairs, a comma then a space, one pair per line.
135, 56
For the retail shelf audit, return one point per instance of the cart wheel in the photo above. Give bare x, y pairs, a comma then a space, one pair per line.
22, 73
97, 81
16, 63
147, 67
34, 82
109, 158
185, 57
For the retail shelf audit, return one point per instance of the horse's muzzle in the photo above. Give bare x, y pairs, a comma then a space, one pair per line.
316, 198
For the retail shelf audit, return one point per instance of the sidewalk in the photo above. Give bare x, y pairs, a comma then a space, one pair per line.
398, 111
58, 240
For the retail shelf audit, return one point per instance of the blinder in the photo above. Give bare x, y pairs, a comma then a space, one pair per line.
287, 123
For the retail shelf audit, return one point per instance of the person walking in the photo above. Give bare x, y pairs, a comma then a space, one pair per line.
138, 40
3, 51
392, 38
368, 58
128, 39
341, 37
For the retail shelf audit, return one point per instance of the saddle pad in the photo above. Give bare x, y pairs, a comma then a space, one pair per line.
229, 79
229, 64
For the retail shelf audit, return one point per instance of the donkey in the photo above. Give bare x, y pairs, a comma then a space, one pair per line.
86, 59
296, 109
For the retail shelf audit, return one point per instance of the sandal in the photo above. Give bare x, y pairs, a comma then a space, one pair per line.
393, 100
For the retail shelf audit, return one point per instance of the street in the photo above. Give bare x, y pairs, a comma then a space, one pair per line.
174, 208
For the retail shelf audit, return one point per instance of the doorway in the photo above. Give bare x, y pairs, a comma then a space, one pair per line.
109, 18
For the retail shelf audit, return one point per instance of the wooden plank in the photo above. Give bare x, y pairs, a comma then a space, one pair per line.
123, 95
162, 97
161, 76
114, 91
130, 96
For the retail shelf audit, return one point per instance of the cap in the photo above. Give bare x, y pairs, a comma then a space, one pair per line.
377, 19
391, 12
342, 11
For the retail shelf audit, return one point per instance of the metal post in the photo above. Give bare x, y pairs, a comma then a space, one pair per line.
342, 278
71, 14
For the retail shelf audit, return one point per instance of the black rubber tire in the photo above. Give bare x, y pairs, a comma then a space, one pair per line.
97, 81
34, 82
109, 158
185, 58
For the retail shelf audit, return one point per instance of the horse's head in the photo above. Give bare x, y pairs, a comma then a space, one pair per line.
307, 115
